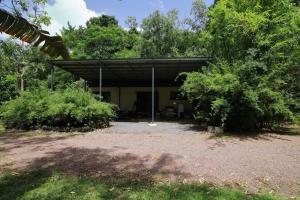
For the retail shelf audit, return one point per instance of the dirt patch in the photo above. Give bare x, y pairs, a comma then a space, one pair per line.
166, 152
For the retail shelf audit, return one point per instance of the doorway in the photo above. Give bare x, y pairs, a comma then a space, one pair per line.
144, 103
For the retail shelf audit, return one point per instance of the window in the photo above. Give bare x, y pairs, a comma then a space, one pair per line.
177, 96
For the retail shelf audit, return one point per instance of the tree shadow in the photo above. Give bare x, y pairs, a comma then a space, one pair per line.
103, 164
122, 170
245, 136
19, 139
265, 134
291, 131
15, 185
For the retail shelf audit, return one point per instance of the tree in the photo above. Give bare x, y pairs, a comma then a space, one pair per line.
132, 24
269, 28
199, 14
102, 21
255, 73
97, 41
160, 34
103, 42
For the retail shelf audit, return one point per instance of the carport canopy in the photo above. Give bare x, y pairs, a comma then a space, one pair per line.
134, 72
131, 72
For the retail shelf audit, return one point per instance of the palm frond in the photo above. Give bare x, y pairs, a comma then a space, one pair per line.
20, 28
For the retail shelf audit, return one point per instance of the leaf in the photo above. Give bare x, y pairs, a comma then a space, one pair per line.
22, 29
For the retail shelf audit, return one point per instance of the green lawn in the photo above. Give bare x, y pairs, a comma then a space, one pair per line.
45, 185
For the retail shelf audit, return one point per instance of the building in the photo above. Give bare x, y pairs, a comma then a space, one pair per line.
140, 87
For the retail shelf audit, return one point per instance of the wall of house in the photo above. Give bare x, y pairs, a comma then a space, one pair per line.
128, 96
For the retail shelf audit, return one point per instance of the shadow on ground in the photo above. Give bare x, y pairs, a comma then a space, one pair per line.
101, 163
22, 138
267, 135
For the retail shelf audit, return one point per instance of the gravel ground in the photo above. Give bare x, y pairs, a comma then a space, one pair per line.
166, 152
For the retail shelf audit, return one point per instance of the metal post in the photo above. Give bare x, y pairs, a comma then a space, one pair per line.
52, 77
153, 99
119, 97
100, 83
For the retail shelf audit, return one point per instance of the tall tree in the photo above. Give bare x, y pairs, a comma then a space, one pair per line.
100, 41
254, 81
198, 16
160, 34
132, 24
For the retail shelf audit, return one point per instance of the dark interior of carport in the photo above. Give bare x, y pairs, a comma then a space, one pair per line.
138, 72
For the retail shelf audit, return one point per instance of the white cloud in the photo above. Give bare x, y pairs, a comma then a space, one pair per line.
62, 11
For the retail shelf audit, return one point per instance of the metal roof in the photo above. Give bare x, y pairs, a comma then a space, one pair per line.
133, 71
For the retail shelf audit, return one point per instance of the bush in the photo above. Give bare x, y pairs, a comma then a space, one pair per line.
8, 88
70, 108
237, 97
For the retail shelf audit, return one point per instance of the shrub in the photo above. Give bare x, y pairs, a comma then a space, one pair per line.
237, 97
8, 88
70, 108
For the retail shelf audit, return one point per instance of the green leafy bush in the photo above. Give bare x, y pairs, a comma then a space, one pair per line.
8, 87
70, 108
237, 97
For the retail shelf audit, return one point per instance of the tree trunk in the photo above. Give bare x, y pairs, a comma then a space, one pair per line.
21, 74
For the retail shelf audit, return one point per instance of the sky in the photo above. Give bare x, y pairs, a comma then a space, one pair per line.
77, 12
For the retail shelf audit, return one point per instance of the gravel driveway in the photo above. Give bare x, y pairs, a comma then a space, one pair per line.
166, 152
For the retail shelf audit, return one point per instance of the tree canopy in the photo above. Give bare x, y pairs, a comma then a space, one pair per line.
254, 79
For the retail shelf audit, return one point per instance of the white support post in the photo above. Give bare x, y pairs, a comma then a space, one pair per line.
52, 77
100, 83
153, 98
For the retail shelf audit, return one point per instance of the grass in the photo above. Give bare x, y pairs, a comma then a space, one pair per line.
41, 184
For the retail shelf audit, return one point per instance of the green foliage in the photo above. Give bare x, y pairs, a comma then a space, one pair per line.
46, 185
257, 84
102, 21
132, 24
199, 16
68, 108
236, 96
33, 10
37, 70
101, 41
268, 26
160, 35
8, 88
